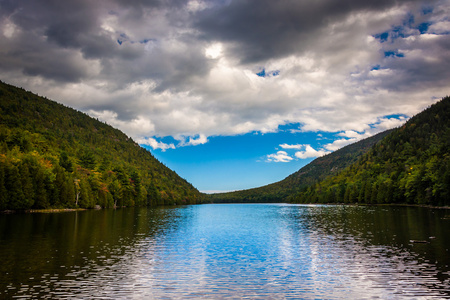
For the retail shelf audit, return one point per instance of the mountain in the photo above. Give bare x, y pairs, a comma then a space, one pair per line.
52, 156
411, 165
317, 170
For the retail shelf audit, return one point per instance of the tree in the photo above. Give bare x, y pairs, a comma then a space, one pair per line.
40, 191
3, 190
13, 184
86, 199
65, 162
116, 191
27, 186
87, 160
63, 187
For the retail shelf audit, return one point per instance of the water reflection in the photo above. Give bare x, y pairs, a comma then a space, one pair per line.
223, 251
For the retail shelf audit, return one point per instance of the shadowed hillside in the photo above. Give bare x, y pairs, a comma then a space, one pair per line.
52, 156
315, 171
411, 165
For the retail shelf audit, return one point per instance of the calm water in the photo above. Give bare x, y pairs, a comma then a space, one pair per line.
227, 251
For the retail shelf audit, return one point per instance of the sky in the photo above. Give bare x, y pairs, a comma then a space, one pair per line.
233, 94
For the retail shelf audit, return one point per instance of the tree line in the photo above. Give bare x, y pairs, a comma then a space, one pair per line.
52, 156
410, 166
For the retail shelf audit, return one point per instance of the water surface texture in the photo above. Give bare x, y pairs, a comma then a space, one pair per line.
254, 251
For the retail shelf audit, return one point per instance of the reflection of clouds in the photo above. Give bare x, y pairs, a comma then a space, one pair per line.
353, 267
254, 251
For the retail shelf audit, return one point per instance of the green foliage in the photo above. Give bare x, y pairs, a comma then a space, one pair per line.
411, 165
52, 156
87, 160
312, 173
65, 162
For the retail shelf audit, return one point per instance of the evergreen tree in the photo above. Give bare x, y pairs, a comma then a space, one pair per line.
27, 186
13, 184
3, 190
65, 162
40, 192
86, 199
87, 160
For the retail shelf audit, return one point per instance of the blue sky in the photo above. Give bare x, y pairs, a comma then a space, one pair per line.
233, 94
237, 162
227, 163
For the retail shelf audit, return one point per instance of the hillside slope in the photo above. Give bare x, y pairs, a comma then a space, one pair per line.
411, 165
52, 156
315, 171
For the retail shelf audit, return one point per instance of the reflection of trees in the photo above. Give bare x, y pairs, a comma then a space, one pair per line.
36, 247
382, 235
283, 250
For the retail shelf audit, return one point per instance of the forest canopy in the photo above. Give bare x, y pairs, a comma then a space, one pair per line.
408, 165
411, 165
52, 156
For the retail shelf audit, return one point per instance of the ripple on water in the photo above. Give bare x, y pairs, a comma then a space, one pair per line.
242, 251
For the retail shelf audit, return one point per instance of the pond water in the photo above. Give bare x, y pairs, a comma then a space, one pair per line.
253, 251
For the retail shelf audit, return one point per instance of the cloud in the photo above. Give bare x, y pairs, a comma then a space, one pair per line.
190, 68
287, 146
140, 124
310, 152
339, 143
278, 29
181, 141
280, 156
193, 141
343, 138
155, 144
306, 151
351, 136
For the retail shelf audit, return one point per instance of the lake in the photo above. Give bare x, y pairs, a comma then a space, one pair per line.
214, 251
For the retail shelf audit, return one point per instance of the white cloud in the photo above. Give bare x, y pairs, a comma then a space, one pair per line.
388, 123
214, 51
346, 138
202, 139
337, 144
351, 136
155, 144
287, 146
193, 141
177, 71
280, 156
310, 152
139, 126
307, 151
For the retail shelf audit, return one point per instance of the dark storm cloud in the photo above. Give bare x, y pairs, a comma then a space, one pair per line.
143, 64
35, 58
65, 24
139, 4
61, 21
264, 29
53, 26
417, 72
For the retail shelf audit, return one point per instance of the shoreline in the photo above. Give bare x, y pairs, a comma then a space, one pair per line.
61, 210
46, 210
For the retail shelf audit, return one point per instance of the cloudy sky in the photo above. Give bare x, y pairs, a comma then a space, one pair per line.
233, 94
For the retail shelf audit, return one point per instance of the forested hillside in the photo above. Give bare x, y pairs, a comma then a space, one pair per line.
52, 156
310, 174
411, 165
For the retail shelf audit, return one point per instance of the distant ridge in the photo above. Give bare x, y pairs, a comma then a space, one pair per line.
52, 156
408, 165
318, 169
